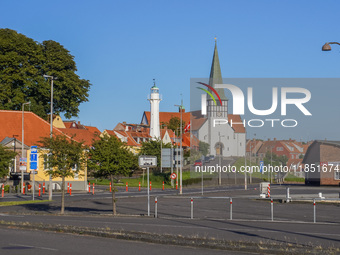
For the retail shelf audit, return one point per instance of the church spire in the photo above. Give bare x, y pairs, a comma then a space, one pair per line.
215, 73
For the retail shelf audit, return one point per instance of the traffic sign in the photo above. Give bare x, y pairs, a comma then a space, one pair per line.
173, 176
147, 161
33, 165
34, 158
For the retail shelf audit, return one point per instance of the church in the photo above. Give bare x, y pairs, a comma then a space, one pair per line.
223, 139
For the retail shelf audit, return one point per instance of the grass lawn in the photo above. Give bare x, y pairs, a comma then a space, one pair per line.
10, 203
265, 176
156, 180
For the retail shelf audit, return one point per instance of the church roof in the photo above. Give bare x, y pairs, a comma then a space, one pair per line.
216, 75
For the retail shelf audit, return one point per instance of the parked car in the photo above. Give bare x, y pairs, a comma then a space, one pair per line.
198, 162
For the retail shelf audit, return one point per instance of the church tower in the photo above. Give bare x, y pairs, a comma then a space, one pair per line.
217, 111
217, 134
154, 111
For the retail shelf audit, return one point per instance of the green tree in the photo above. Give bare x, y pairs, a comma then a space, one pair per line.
63, 157
6, 157
275, 160
204, 148
174, 124
23, 62
153, 148
110, 158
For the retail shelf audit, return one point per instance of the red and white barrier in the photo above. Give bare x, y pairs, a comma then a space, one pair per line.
89, 187
43, 188
110, 187
163, 185
39, 190
176, 185
268, 190
71, 189
68, 187
3, 190
92, 188
126, 187
139, 186
23, 189
150, 186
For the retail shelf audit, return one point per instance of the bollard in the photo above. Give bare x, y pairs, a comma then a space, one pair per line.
150, 186
231, 208
192, 208
92, 188
176, 185
71, 189
139, 186
23, 189
272, 209
156, 215
43, 188
268, 190
287, 195
39, 195
89, 187
68, 187
110, 187
127, 187
314, 211
3, 190
163, 185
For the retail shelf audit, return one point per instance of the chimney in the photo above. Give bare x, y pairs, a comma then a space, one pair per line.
274, 139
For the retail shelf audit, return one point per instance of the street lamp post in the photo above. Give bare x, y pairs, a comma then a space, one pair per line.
22, 145
51, 131
181, 156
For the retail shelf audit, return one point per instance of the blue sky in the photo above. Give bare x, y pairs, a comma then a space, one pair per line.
120, 46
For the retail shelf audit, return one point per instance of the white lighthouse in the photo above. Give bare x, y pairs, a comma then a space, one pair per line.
154, 105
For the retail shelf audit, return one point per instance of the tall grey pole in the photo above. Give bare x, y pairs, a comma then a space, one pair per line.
219, 160
161, 153
50, 188
245, 164
172, 164
181, 154
148, 179
22, 145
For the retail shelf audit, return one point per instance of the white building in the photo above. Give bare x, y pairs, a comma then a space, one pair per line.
154, 109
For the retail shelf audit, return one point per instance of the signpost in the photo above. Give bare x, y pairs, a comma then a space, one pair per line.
147, 162
33, 164
261, 166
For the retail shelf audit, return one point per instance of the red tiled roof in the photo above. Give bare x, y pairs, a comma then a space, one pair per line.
35, 127
81, 135
93, 130
239, 128
164, 117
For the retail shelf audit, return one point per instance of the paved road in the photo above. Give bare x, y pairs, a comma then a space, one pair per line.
293, 222
31, 242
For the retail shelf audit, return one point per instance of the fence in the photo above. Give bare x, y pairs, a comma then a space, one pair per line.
264, 210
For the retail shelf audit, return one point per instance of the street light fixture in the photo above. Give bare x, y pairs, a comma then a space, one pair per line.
327, 47
51, 129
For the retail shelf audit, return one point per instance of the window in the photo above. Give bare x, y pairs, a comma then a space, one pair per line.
74, 167
336, 175
279, 148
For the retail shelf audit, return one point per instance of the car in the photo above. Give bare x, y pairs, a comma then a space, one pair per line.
198, 162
